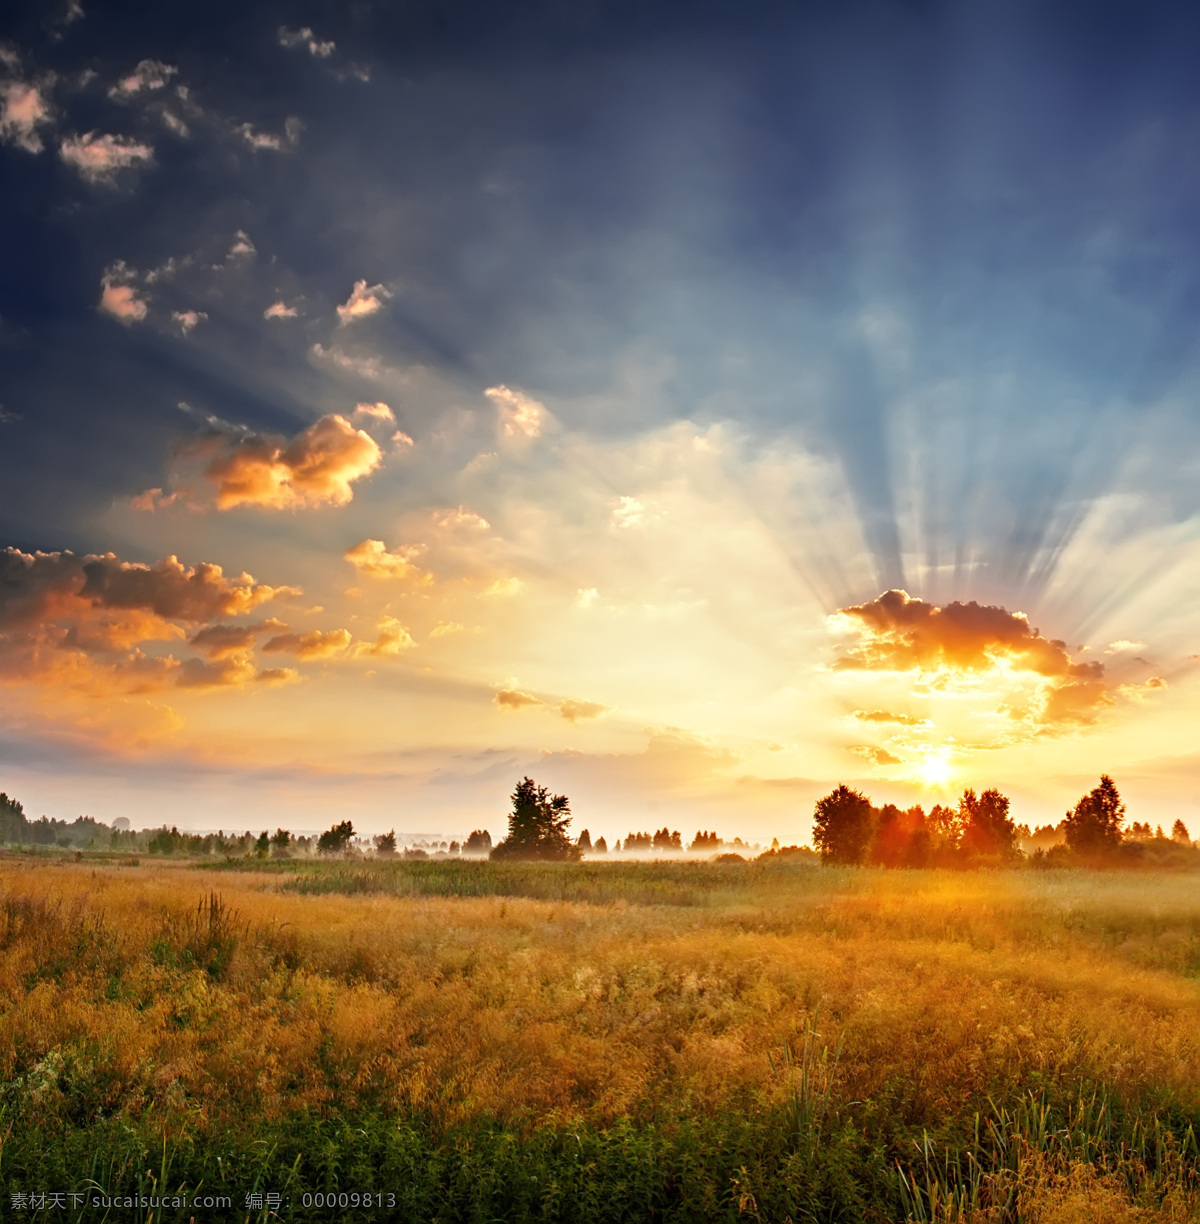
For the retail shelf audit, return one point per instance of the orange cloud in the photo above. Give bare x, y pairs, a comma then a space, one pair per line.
393, 640
228, 468
898, 633
313, 645
23, 109
511, 699
225, 641
372, 557
118, 295
98, 158
573, 711
885, 716
363, 301
77, 623
230, 672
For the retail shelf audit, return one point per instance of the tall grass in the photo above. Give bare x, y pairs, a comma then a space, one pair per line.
608, 1041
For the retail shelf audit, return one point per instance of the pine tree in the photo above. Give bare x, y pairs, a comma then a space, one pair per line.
537, 825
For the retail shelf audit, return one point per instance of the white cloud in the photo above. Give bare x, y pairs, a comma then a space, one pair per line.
503, 588
304, 37
242, 246
174, 124
631, 514
148, 75
119, 296
187, 319
364, 300
523, 417
23, 109
269, 140
98, 158
380, 411
280, 310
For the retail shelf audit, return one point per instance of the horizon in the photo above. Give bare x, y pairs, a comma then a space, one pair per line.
690, 411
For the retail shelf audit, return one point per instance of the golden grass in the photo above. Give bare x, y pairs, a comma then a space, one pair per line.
120, 991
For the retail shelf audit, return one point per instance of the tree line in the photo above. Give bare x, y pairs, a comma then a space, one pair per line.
978, 831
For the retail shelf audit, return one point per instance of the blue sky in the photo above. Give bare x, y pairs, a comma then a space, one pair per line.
803, 302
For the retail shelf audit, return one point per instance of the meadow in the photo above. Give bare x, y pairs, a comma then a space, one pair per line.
771, 1040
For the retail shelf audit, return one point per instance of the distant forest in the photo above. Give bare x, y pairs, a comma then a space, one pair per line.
848, 830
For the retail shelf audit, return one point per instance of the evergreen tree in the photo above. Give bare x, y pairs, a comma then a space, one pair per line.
537, 825
1093, 826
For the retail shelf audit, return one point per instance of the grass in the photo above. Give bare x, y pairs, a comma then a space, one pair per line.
658, 1041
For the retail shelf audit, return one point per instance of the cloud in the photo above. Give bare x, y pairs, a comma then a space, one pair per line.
279, 310
313, 645
242, 246
99, 158
511, 699
522, 417
304, 38
173, 123
225, 641
630, 513
119, 297
187, 319
897, 633
278, 675
148, 75
231, 672
393, 640
379, 411
885, 716
79, 621
877, 756
461, 518
573, 711
449, 629
226, 467
23, 109
269, 140
372, 557
362, 302
503, 588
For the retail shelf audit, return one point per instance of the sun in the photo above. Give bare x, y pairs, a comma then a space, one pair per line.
935, 770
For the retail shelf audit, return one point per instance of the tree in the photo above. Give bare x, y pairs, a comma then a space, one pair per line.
601, 846
280, 842
537, 826
479, 842
987, 830
262, 847
901, 839
337, 839
842, 825
584, 842
1093, 826
385, 844
1179, 833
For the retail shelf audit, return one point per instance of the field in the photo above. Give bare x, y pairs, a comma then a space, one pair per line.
617, 1041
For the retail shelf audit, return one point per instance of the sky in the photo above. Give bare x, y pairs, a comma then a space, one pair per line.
692, 407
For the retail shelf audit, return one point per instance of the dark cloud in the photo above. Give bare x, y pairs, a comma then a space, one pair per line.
897, 633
